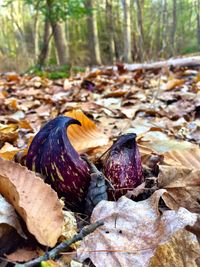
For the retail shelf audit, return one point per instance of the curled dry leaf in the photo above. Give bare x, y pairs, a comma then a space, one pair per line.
34, 200
8, 217
171, 84
87, 136
132, 231
182, 185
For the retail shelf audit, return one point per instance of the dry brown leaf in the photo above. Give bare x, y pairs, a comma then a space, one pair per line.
34, 200
69, 228
183, 186
171, 84
8, 217
161, 143
8, 151
132, 231
24, 254
8, 132
172, 254
188, 158
88, 135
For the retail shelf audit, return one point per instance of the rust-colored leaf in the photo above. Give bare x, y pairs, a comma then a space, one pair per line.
86, 136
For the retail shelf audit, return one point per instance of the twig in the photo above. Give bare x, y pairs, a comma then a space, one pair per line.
62, 246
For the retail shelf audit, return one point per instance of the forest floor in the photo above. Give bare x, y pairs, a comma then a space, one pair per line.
160, 105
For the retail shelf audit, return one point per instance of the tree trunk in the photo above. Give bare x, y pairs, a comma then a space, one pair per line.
59, 36
45, 46
93, 38
164, 32
173, 29
109, 22
127, 31
140, 30
198, 21
60, 42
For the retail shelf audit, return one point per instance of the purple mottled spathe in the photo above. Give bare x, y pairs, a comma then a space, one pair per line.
122, 165
52, 155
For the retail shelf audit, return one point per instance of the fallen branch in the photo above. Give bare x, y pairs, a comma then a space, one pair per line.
174, 62
63, 246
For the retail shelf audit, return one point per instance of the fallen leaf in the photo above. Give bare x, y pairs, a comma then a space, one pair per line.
132, 232
188, 158
182, 185
171, 84
8, 217
69, 228
86, 136
8, 151
162, 143
181, 250
8, 132
34, 200
24, 254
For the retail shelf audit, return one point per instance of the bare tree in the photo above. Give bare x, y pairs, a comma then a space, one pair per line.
93, 38
110, 27
59, 36
173, 29
140, 30
127, 31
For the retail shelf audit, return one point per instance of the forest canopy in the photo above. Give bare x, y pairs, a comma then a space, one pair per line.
86, 32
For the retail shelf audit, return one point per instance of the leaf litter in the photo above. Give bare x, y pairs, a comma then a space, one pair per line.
162, 107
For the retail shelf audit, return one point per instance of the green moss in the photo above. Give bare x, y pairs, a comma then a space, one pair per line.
54, 72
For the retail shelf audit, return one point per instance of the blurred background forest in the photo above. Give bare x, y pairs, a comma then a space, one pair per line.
93, 32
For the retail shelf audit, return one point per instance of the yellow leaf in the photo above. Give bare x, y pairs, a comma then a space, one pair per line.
86, 136
171, 84
8, 151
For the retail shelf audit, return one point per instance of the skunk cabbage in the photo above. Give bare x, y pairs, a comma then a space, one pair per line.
52, 155
122, 166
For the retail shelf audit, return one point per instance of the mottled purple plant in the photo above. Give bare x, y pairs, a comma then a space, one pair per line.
52, 155
122, 166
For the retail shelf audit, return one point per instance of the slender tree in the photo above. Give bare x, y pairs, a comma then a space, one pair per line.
127, 31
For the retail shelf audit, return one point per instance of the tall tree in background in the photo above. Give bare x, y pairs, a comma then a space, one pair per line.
110, 30
198, 20
45, 43
173, 28
58, 34
140, 30
127, 31
93, 38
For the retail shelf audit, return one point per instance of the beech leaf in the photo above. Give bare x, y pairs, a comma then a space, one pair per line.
182, 185
86, 136
132, 231
34, 200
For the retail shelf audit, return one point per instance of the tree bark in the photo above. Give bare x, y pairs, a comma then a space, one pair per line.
45, 46
164, 32
173, 29
110, 27
60, 42
140, 30
127, 31
59, 36
198, 21
93, 38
